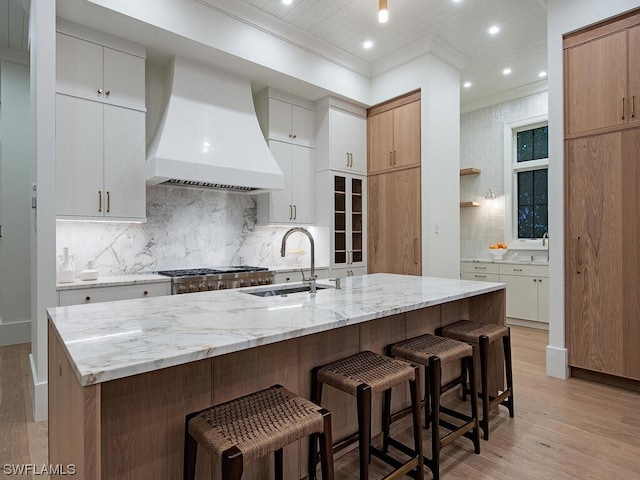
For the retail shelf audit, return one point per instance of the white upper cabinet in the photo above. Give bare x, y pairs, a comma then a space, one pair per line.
341, 139
100, 129
285, 118
95, 72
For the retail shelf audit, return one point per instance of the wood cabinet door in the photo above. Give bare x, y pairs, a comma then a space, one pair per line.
596, 84
380, 141
394, 225
634, 73
594, 281
406, 135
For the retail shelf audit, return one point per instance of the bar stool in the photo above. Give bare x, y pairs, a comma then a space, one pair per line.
484, 334
242, 430
433, 352
363, 375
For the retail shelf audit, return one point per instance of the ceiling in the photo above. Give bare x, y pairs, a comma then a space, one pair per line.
14, 26
462, 26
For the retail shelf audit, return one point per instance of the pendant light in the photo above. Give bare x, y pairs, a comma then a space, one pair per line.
383, 12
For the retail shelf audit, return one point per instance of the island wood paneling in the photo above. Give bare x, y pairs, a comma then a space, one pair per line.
143, 421
74, 417
247, 371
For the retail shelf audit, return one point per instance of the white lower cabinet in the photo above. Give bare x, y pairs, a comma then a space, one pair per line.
79, 296
527, 287
527, 291
348, 272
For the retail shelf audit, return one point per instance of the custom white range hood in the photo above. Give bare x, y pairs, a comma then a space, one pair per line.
209, 136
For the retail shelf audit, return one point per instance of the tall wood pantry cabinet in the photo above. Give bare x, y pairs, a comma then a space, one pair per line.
394, 198
100, 128
602, 197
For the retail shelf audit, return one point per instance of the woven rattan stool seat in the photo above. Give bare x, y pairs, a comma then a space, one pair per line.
257, 424
468, 331
420, 349
377, 371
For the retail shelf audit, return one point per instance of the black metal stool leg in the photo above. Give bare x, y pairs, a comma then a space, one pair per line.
364, 427
484, 369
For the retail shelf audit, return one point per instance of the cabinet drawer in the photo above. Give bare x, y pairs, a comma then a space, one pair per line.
476, 267
528, 270
109, 294
481, 277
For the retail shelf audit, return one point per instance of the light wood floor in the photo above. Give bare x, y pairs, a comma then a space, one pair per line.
563, 429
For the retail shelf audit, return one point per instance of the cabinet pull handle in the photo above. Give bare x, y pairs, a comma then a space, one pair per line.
100, 201
107, 93
391, 158
578, 254
295, 212
290, 212
347, 159
351, 159
633, 106
145, 292
87, 298
415, 251
294, 135
108, 201
517, 269
480, 268
624, 103
394, 157
100, 91
480, 276
535, 280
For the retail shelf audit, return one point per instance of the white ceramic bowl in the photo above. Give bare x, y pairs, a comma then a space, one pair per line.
497, 253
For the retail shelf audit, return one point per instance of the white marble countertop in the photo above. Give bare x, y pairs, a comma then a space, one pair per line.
110, 281
507, 261
111, 340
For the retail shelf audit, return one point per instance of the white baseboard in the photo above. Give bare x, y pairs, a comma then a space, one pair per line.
557, 362
15, 333
39, 394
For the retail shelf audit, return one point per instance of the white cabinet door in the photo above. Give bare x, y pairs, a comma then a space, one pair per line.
124, 162
543, 300
79, 67
348, 141
79, 154
522, 296
280, 209
301, 185
280, 121
114, 293
481, 277
302, 126
124, 78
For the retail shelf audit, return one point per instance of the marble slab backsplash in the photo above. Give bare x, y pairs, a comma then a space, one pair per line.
185, 228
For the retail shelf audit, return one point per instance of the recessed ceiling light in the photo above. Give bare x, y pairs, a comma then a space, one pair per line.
287, 2
367, 44
493, 30
457, 1
466, 84
542, 74
506, 71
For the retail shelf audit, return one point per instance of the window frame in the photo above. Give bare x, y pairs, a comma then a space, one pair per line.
511, 169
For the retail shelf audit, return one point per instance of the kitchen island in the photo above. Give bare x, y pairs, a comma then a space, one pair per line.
122, 375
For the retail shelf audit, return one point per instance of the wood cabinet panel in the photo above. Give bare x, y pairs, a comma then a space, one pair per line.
406, 135
594, 256
150, 410
633, 40
380, 141
394, 236
596, 84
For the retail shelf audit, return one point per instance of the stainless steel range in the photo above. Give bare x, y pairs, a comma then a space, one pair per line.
218, 278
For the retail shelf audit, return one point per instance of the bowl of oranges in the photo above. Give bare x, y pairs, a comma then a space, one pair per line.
497, 250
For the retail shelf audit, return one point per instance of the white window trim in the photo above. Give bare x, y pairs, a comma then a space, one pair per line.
510, 169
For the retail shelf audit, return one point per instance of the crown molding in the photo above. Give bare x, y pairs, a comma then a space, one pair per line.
506, 96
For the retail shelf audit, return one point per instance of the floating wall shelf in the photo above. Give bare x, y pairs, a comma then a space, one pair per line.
469, 171
469, 204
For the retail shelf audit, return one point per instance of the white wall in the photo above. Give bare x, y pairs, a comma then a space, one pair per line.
564, 16
42, 39
482, 146
16, 158
440, 125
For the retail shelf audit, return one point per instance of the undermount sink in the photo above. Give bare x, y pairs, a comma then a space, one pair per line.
282, 291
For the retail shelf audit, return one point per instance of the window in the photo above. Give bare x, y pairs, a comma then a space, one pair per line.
530, 188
